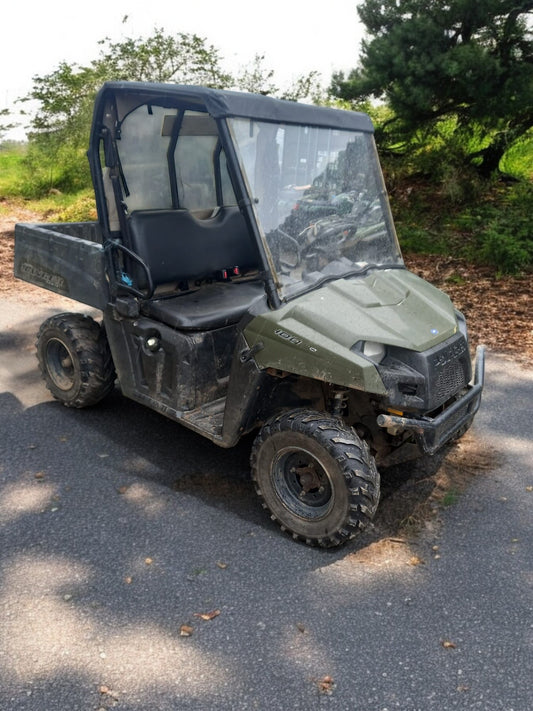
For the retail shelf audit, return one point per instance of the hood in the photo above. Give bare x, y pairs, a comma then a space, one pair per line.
393, 306
314, 334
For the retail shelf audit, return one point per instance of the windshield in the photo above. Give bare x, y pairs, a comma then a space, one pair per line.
319, 200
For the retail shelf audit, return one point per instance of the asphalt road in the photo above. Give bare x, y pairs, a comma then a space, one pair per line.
118, 528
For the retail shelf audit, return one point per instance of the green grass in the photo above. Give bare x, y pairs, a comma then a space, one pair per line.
518, 161
75, 207
62, 207
79, 207
450, 497
456, 279
12, 171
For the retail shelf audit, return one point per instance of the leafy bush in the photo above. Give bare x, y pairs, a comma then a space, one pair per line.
506, 242
508, 253
518, 160
81, 209
488, 223
420, 240
54, 165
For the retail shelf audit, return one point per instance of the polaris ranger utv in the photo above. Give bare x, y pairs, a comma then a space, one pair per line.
249, 277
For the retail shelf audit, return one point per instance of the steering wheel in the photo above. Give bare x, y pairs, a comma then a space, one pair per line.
312, 255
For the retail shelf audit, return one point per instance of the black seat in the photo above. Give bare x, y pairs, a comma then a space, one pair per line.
211, 306
176, 247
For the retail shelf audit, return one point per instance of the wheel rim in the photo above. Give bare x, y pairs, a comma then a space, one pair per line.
59, 363
302, 484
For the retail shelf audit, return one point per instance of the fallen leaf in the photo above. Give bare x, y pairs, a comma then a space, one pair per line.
39, 475
529, 488
207, 615
106, 691
325, 685
128, 579
222, 565
415, 560
186, 630
447, 644
148, 561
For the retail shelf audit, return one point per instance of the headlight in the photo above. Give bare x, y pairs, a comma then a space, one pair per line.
370, 349
374, 351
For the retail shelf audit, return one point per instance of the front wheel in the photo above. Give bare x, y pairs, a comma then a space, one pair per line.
75, 359
316, 476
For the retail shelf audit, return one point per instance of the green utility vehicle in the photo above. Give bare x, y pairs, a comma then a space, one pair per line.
250, 280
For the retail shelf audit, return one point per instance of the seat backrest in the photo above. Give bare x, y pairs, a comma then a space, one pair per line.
176, 246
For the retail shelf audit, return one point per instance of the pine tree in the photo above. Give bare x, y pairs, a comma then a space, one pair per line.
466, 60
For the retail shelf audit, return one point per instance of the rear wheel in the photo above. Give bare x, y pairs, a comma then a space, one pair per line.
75, 359
316, 477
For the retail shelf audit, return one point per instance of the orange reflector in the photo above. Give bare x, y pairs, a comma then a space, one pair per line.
395, 412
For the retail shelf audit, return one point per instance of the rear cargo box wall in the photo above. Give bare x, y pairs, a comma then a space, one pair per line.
67, 258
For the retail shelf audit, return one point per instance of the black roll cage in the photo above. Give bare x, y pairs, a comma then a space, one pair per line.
116, 100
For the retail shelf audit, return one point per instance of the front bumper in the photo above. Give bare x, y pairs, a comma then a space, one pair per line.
432, 433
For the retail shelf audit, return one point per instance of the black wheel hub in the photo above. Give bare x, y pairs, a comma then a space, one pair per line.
302, 484
59, 364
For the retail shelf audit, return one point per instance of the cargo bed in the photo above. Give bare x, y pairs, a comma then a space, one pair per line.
67, 258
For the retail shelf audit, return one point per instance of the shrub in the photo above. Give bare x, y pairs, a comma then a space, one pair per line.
54, 166
82, 209
507, 252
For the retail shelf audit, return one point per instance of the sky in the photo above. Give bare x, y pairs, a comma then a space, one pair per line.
296, 36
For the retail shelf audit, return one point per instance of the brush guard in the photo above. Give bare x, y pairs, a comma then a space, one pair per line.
432, 433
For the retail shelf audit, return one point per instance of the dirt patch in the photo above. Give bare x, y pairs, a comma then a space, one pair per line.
414, 495
431, 483
9, 286
8, 283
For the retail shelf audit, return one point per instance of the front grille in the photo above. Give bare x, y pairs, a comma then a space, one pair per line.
449, 370
423, 381
450, 379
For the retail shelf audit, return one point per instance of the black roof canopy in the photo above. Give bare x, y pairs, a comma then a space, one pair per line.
224, 104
